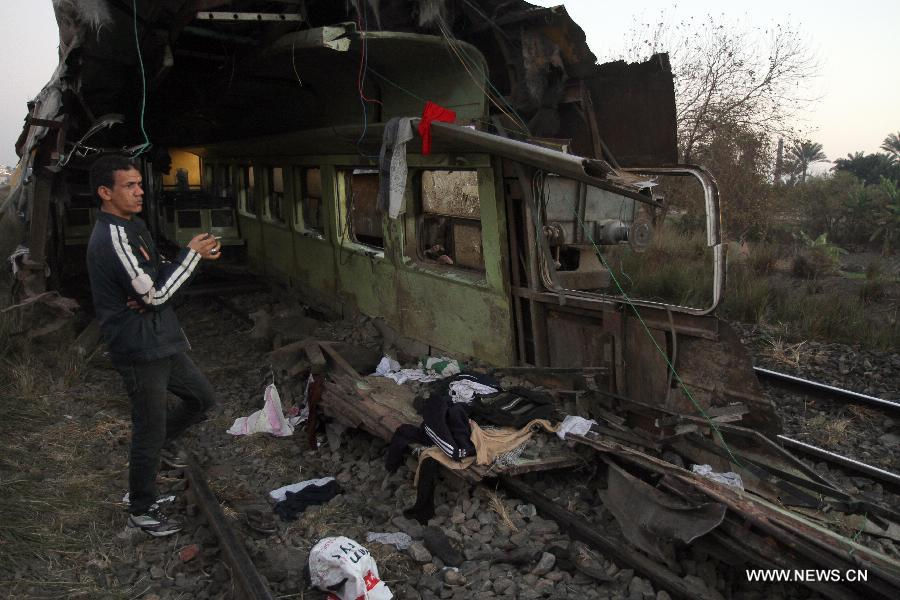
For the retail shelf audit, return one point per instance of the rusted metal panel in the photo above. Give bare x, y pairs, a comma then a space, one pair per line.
653, 520
635, 109
576, 341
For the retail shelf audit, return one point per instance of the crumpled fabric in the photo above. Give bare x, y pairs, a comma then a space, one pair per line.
269, 419
730, 479
430, 369
295, 503
392, 164
463, 390
574, 424
281, 493
347, 570
433, 112
399, 540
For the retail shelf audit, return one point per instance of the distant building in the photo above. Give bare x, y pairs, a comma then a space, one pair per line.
5, 174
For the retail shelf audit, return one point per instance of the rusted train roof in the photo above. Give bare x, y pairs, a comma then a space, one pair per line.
212, 80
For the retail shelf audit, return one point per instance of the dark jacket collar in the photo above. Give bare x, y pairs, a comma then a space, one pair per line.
111, 218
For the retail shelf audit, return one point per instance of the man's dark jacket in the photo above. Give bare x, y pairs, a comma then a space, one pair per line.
123, 264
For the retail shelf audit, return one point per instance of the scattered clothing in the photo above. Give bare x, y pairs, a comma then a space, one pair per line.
399, 540
488, 443
347, 570
447, 426
575, 425
426, 474
269, 419
513, 408
392, 164
280, 494
433, 112
730, 479
403, 436
295, 503
465, 387
429, 369
437, 542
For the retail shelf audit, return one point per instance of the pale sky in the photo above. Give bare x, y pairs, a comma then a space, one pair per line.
856, 44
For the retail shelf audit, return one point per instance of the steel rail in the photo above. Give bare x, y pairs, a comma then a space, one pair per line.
840, 459
848, 395
242, 569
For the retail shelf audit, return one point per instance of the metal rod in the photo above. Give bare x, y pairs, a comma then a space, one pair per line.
242, 568
824, 387
850, 463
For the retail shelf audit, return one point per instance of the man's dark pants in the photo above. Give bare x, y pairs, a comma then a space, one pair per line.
152, 423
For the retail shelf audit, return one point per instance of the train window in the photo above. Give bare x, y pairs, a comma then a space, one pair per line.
450, 230
245, 193
307, 193
273, 187
364, 222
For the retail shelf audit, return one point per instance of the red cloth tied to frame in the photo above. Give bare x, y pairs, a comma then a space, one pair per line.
433, 112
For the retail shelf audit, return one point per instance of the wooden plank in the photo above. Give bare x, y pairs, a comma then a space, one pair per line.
316, 358
339, 360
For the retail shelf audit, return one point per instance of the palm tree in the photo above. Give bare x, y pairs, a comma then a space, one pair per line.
805, 153
891, 145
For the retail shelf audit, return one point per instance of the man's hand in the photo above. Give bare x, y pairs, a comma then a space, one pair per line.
206, 246
135, 305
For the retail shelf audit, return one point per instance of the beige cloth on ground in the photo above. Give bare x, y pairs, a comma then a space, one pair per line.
489, 444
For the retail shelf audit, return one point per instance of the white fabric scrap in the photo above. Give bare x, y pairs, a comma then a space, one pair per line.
575, 425
280, 494
269, 419
398, 540
730, 479
342, 566
464, 390
397, 184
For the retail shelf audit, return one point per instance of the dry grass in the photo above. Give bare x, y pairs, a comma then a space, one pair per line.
829, 431
56, 480
497, 505
784, 352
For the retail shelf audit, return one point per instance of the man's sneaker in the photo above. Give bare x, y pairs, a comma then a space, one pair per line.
171, 460
154, 522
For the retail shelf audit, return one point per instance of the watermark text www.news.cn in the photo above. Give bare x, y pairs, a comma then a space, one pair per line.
807, 575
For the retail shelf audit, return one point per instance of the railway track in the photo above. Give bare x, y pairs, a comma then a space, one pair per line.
830, 393
243, 572
823, 390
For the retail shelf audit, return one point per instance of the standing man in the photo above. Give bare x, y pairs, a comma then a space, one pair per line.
133, 288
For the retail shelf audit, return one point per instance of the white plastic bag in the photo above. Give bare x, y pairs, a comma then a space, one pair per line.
270, 419
335, 560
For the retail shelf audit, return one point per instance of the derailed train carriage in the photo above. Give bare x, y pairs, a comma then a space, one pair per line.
265, 124
267, 127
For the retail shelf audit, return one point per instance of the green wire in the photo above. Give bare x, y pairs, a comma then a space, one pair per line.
652, 339
137, 42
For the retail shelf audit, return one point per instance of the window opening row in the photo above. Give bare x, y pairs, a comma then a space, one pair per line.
448, 221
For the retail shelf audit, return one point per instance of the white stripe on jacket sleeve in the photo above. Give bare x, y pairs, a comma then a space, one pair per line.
140, 280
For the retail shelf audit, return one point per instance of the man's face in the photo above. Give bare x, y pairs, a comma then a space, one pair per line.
126, 197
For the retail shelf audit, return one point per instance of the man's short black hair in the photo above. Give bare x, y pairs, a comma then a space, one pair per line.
103, 171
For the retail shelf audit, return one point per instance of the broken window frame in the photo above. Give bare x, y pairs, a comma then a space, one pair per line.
419, 242
268, 192
245, 198
298, 184
344, 174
